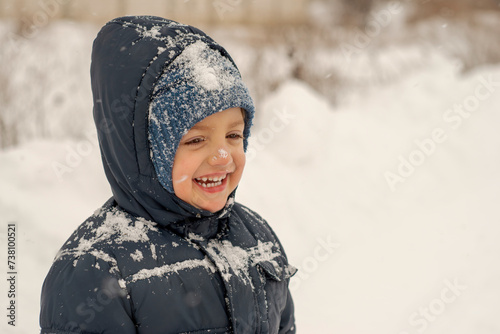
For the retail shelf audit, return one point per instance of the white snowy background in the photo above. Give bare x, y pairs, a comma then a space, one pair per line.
418, 254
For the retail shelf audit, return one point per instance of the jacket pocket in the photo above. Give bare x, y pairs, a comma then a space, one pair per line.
277, 270
274, 277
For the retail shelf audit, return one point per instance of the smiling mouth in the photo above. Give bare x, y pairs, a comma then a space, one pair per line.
210, 182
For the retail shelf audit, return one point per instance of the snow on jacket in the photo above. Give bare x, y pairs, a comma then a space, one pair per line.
147, 262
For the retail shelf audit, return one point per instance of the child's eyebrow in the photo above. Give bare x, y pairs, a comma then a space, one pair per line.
199, 127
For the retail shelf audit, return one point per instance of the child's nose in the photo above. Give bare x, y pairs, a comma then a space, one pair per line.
221, 157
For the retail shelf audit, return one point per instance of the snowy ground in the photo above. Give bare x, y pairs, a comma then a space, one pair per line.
386, 202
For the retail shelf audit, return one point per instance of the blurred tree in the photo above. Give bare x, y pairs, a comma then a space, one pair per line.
356, 12
450, 9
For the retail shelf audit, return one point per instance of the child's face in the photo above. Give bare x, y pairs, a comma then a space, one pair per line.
209, 160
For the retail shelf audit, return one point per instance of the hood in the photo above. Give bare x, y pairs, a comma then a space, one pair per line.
128, 57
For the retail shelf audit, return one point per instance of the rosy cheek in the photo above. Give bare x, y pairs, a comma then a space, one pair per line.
241, 160
240, 165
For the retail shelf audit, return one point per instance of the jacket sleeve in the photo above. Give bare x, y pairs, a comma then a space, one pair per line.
287, 324
85, 295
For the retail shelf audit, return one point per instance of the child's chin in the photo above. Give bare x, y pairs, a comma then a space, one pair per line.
214, 207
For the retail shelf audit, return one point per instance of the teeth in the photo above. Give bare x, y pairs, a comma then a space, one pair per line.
220, 178
210, 185
215, 181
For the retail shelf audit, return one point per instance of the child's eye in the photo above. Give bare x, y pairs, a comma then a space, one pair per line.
234, 136
195, 141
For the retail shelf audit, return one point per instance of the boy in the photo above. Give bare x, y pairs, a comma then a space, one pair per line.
170, 252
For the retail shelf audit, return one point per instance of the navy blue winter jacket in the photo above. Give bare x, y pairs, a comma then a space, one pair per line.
147, 262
